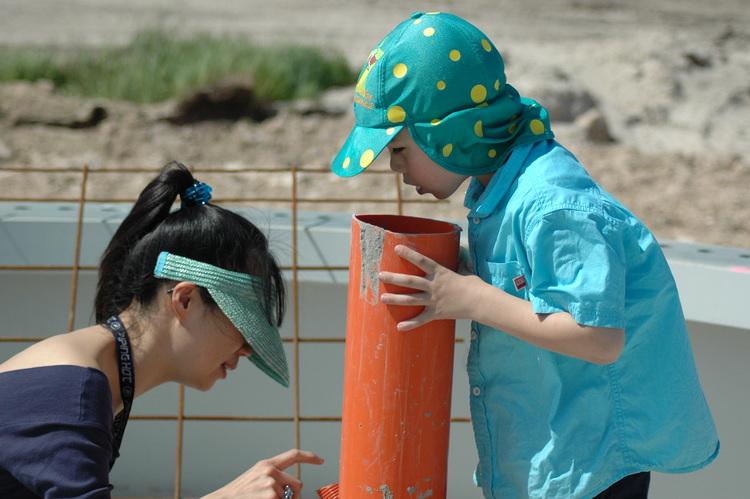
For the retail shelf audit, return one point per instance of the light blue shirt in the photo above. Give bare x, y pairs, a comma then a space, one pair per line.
552, 426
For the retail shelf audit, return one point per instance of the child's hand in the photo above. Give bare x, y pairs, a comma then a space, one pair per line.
444, 294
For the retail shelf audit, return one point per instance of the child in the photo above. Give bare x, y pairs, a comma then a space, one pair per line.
192, 290
582, 376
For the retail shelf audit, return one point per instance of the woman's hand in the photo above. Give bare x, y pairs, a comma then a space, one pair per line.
444, 294
266, 480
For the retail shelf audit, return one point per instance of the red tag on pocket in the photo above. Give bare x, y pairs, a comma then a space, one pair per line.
520, 282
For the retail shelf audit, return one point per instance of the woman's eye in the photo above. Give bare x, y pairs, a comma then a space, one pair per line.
397, 150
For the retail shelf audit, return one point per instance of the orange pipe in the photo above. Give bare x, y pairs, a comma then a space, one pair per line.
397, 385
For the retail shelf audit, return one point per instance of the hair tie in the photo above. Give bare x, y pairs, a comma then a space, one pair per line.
197, 194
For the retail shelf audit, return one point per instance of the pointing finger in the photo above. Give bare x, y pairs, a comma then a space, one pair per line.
294, 456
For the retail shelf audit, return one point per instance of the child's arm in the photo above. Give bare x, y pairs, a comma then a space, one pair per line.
448, 295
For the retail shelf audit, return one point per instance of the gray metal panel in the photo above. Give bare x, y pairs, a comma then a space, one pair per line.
146, 467
713, 282
37, 233
246, 392
36, 303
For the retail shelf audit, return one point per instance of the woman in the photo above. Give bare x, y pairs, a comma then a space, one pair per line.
182, 295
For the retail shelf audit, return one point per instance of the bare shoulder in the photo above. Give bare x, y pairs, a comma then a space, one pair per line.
82, 347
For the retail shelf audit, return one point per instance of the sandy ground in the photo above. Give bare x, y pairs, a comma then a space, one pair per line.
670, 78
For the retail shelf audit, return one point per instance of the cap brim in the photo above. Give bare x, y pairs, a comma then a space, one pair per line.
361, 149
247, 315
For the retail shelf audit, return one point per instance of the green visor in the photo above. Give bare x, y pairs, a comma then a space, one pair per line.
241, 297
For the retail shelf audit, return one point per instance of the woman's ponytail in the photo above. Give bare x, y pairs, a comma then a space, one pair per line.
150, 210
198, 230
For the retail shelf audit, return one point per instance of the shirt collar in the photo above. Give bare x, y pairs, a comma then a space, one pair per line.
483, 201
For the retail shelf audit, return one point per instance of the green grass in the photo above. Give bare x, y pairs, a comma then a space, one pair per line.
159, 65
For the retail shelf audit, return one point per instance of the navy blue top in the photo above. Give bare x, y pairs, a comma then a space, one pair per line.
55, 433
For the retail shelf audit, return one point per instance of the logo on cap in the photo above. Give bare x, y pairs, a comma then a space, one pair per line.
362, 96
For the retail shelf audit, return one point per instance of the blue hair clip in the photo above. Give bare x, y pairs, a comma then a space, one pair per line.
198, 194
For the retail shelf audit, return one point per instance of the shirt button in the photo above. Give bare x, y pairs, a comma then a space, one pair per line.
476, 391
473, 334
476, 220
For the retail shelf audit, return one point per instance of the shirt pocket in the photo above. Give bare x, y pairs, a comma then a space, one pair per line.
510, 277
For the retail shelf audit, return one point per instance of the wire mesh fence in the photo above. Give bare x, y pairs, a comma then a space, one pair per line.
288, 189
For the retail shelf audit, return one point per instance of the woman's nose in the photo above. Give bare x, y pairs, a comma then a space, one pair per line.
245, 350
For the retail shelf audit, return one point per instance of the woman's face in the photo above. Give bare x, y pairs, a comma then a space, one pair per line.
216, 348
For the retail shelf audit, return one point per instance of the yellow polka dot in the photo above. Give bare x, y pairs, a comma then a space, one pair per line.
447, 150
486, 45
512, 128
435, 122
399, 70
396, 114
428, 32
492, 153
483, 104
441, 85
417, 21
537, 127
366, 158
478, 93
346, 163
390, 131
455, 55
497, 84
478, 129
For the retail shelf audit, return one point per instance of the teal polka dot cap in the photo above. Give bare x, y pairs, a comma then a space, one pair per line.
442, 78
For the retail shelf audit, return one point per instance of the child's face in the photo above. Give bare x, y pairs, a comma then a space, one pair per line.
417, 169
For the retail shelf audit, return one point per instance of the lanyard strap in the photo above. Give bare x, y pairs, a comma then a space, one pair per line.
127, 376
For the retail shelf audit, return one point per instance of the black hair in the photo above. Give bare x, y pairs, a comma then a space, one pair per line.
207, 233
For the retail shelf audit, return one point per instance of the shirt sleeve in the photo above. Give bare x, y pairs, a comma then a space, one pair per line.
578, 266
63, 461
